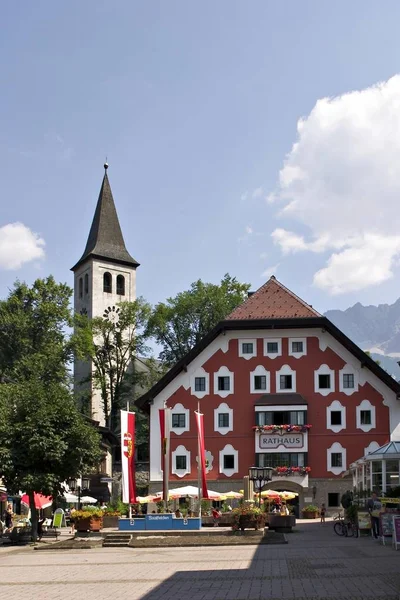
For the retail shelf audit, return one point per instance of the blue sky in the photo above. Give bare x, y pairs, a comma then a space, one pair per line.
196, 106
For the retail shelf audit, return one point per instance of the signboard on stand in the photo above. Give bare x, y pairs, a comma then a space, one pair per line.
385, 525
396, 530
364, 520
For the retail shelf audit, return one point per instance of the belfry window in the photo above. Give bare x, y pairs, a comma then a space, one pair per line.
107, 283
80, 287
86, 283
121, 285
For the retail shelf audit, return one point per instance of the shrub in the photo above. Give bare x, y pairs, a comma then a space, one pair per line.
310, 508
248, 511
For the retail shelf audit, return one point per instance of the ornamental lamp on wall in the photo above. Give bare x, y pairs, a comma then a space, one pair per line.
314, 492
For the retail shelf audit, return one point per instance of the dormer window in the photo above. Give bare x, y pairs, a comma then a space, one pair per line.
107, 283
121, 285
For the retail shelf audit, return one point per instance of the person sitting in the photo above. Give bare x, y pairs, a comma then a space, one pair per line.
216, 516
178, 514
189, 513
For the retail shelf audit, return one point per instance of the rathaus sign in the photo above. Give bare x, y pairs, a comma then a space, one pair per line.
287, 440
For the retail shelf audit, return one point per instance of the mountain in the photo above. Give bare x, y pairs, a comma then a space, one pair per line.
373, 328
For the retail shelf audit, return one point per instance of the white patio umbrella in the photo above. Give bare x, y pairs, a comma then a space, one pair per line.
71, 498
87, 500
191, 491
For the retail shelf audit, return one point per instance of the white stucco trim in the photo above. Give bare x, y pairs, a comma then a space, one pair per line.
372, 446
180, 409
223, 408
200, 372
285, 370
335, 406
272, 354
223, 372
260, 370
247, 341
348, 370
324, 370
180, 451
297, 354
366, 405
336, 448
228, 449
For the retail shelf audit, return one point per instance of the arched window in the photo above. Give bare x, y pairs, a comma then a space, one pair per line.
121, 285
80, 287
86, 283
107, 283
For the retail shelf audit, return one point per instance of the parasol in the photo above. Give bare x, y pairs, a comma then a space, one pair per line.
40, 500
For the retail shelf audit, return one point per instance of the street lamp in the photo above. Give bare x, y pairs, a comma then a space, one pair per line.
79, 485
260, 475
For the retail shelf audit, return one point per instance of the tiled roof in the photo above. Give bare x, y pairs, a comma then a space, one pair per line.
105, 237
273, 301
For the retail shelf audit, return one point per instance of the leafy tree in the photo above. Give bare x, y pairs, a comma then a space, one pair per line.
112, 344
180, 323
43, 440
33, 320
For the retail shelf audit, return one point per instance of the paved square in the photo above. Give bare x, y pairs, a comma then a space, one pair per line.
315, 564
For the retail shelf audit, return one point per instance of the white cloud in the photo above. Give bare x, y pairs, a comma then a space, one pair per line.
342, 179
244, 196
257, 193
249, 230
270, 271
19, 245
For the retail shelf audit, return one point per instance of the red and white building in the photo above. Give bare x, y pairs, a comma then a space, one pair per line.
279, 386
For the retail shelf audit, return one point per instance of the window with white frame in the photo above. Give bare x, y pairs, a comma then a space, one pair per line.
324, 380
365, 416
272, 347
223, 419
348, 380
228, 461
179, 419
199, 383
247, 348
223, 382
286, 379
336, 416
181, 461
336, 459
259, 380
297, 347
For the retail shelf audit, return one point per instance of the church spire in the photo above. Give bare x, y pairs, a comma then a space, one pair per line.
105, 239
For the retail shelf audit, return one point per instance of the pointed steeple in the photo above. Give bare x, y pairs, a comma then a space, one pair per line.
105, 239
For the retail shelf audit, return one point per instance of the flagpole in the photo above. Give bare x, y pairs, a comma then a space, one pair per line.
130, 505
199, 464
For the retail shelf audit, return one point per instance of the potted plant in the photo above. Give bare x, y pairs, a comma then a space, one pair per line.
247, 517
310, 511
110, 517
89, 519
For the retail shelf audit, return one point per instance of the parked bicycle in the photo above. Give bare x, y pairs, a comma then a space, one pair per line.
344, 527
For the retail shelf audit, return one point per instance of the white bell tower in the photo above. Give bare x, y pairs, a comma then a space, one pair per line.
103, 276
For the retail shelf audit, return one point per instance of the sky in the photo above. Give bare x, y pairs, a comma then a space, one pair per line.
254, 138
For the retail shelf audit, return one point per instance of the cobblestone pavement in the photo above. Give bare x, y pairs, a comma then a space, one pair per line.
316, 564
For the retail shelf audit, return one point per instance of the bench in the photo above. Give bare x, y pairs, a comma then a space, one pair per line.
50, 532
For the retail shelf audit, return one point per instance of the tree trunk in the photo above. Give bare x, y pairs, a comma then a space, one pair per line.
34, 516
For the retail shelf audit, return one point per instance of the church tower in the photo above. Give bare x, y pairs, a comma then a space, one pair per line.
103, 276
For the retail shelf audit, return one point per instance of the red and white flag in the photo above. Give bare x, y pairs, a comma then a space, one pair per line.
202, 452
128, 457
165, 433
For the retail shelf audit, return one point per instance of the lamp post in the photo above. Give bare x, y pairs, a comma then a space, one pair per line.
79, 485
260, 475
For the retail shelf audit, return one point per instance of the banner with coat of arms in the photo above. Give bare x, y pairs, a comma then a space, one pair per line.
128, 456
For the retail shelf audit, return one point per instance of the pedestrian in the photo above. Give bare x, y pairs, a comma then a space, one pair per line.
374, 507
323, 513
40, 524
8, 518
216, 516
178, 514
72, 520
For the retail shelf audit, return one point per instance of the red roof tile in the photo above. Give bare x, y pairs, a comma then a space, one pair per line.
273, 301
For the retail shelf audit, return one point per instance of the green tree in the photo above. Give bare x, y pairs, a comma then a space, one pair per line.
43, 440
181, 322
33, 321
43, 437
112, 344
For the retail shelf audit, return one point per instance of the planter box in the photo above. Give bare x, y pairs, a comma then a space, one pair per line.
110, 521
246, 522
282, 523
88, 524
309, 515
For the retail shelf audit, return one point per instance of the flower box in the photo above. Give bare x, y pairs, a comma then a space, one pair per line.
248, 522
89, 524
110, 520
310, 515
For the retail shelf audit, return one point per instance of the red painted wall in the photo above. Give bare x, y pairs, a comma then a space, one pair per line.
242, 402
